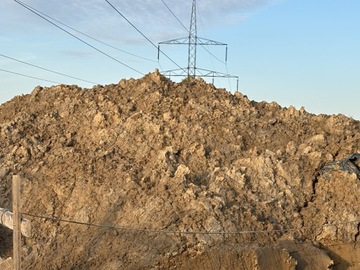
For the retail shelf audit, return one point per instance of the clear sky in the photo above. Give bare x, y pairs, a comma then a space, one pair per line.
294, 52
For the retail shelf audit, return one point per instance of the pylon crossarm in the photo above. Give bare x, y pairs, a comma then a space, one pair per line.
205, 41
209, 73
205, 73
175, 72
181, 41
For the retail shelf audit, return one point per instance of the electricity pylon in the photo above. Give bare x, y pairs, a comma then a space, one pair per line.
193, 41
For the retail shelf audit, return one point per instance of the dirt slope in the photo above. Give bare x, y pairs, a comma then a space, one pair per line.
156, 155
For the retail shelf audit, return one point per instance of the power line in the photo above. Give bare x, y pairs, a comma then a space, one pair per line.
141, 33
28, 76
160, 231
186, 29
71, 34
221, 61
97, 40
49, 70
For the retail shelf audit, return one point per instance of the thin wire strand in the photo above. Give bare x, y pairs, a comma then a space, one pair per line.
186, 29
97, 40
202, 25
211, 59
71, 34
189, 232
141, 33
221, 61
28, 76
46, 69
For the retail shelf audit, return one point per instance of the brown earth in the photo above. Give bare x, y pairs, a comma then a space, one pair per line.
193, 177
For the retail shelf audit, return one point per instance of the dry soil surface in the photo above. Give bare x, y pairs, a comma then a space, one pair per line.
177, 176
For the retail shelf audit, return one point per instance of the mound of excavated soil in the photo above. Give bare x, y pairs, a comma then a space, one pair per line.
205, 179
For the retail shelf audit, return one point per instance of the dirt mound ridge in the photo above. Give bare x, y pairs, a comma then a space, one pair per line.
157, 155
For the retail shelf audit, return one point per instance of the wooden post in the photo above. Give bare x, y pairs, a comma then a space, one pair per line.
16, 181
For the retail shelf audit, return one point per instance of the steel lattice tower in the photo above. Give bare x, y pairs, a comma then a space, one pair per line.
193, 41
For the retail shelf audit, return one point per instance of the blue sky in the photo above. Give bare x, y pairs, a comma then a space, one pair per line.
301, 53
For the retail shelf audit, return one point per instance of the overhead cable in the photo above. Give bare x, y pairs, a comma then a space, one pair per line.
141, 33
28, 76
49, 70
97, 40
187, 30
221, 61
71, 34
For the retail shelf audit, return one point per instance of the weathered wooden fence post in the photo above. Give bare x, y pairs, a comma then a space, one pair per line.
15, 222
16, 181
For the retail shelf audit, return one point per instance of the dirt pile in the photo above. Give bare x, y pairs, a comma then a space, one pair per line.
196, 177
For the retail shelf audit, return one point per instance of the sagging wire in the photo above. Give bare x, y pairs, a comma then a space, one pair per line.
71, 34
